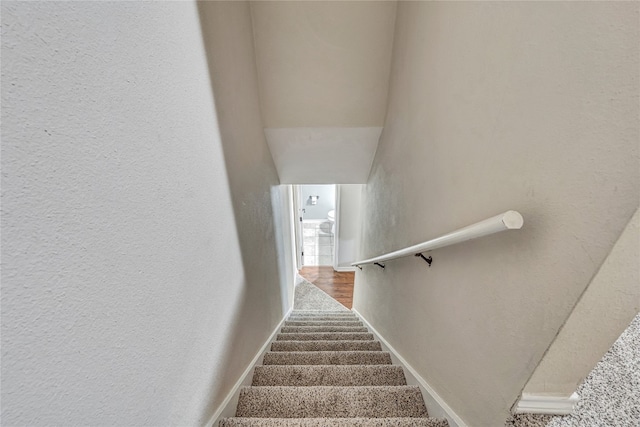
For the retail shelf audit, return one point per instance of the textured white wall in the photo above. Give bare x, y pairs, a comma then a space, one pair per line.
495, 106
323, 69
323, 155
127, 283
605, 309
323, 64
350, 224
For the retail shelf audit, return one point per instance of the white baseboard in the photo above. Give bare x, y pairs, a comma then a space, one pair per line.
545, 404
228, 406
344, 269
436, 405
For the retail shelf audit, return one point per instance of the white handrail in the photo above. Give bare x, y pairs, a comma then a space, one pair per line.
509, 220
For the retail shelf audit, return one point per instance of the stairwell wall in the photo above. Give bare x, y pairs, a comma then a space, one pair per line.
349, 225
496, 106
606, 308
140, 249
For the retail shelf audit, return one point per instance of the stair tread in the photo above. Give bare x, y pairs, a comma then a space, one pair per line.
347, 311
345, 315
328, 422
324, 314
326, 345
331, 401
317, 336
323, 323
328, 375
323, 328
336, 317
324, 319
327, 358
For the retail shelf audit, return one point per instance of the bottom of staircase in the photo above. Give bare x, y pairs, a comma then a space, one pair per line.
325, 369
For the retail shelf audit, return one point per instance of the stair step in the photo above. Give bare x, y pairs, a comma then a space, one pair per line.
316, 336
324, 319
315, 312
325, 345
333, 402
323, 316
322, 323
327, 358
323, 313
331, 422
328, 375
308, 329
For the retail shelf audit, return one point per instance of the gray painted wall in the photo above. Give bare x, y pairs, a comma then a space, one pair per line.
326, 201
496, 106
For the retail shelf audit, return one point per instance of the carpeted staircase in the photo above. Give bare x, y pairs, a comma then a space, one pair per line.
325, 369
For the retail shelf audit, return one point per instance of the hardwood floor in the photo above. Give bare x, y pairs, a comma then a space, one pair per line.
337, 284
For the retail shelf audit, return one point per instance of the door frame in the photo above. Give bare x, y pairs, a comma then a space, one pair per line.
297, 219
336, 233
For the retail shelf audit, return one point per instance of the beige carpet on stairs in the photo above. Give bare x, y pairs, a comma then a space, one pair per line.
326, 369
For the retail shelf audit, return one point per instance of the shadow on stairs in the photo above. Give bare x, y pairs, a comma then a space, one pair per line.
326, 369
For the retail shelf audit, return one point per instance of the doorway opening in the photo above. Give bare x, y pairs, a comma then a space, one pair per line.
327, 232
317, 227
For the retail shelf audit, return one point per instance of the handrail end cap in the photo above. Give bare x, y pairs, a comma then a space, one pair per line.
512, 220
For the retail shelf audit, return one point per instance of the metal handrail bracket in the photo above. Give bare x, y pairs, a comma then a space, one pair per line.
509, 220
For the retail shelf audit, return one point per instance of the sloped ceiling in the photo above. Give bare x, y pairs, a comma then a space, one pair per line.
323, 74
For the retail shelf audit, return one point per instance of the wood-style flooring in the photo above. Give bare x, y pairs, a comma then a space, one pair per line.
339, 285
